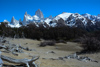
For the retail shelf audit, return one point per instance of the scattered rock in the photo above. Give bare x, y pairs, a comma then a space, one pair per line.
25, 43
61, 58
80, 58
51, 52
56, 47
54, 58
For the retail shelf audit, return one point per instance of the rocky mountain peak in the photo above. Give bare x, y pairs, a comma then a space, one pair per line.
39, 13
12, 20
24, 18
6, 21
25, 13
20, 20
98, 15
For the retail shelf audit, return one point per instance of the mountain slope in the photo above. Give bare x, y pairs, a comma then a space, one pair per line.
64, 16
65, 19
39, 13
14, 23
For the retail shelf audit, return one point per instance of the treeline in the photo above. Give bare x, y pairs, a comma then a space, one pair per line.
33, 32
90, 40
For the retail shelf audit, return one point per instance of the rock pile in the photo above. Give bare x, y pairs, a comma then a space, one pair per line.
80, 58
73, 56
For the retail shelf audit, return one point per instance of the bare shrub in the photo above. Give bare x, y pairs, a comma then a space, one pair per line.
90, 44
45, 43
61, 41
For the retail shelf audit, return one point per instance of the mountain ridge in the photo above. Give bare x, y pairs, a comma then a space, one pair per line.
70, 19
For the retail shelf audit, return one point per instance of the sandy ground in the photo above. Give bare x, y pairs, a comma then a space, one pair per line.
63, 49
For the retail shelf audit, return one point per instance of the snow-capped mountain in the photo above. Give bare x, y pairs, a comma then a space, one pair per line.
14, 22
65, 18
6, 21
98, 17
36, 18
27, 18
39, 13
73, 18
91, 17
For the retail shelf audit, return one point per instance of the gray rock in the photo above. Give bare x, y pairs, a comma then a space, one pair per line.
80, 58
39, 13
14, 21
51, 52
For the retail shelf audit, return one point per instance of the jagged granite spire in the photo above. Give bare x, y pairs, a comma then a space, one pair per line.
39, 13
26, 13
14, 21
20, 20
24, 20
25, 17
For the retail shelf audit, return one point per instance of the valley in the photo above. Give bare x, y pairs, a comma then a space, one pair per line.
47, 56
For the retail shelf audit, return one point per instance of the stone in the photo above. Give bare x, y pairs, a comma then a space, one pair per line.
39, 13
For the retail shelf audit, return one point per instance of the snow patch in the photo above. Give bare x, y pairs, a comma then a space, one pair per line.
64, 16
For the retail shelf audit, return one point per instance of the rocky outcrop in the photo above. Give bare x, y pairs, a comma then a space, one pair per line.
39, 13
25, 13
14, 21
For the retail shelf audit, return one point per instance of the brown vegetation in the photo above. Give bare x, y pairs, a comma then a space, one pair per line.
45, 43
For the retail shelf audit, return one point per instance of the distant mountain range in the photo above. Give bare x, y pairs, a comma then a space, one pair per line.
85, 21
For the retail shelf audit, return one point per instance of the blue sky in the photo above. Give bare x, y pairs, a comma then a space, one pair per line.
17, 8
